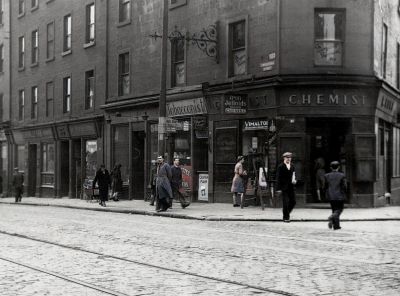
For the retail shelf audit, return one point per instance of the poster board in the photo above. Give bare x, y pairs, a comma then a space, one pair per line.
262, 182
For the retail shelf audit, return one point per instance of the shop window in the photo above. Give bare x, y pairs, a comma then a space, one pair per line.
50, 41
35, 47
329, 37
67, 33
90, 23
124, 75
178, 62
21, 52
384, 50
121, 149
396, 152
89, 89
34, 102
48, 157
21, 104
49, 99
1, 58
91, 159
20, 161
124, 11
237, 49
66, 94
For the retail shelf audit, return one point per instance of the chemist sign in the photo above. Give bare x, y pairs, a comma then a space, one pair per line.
203, 187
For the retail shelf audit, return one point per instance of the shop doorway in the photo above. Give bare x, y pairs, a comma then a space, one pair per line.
32, 169
329, 139
138, 183
64, 168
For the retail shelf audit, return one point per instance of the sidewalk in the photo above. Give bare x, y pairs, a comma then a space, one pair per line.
213, 211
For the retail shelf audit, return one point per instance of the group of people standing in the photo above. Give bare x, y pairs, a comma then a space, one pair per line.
166, 185
333, 183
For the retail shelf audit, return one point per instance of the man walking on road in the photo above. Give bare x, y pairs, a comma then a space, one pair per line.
336, 187
285, 181
176, 184
18, 184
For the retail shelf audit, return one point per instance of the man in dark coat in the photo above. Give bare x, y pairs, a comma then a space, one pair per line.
176, 184
18, 184
285, 181
103, 179
336, 187
163, 185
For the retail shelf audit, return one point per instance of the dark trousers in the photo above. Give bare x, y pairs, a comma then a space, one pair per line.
288, 203
18, 194
179, 196
337, 209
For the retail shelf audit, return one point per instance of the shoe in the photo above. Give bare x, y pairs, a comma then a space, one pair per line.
236, 205
151, 204
286, 220
185, 205
337, 228
330, 224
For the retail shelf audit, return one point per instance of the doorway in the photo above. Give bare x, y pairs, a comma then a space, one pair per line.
32, 169
64, 168
329, 139
138, 183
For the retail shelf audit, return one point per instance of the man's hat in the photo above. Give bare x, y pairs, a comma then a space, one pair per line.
335, 164
16, 169
287, 154
160, 157
240, 157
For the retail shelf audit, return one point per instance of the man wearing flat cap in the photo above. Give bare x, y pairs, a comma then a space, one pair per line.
18, 184
285, 182
336, 187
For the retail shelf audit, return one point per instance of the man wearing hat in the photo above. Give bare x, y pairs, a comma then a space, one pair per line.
18, 184
336, 187
163, 185
285, 181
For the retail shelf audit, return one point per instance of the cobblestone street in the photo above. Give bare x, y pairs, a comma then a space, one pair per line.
60, 251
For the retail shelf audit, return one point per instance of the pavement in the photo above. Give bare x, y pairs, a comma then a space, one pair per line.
214, 211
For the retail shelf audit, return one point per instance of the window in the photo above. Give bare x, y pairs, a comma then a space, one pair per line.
329, 37
90, 23
178, 62
20, 157
21, 104
398, 66
66, 94
50, 41
34, 102
124, 11
21, 7
49, 99
34, 4
1, 107
237, 52
35, 47
67, 33
1, 12
123, 79
48, 157
176, 3
384, 49
1, 58
21, 52
89, 93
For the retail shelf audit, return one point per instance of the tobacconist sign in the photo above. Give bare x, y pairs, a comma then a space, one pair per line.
235, 103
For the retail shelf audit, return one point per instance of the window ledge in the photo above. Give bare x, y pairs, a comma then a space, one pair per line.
34, 65
89, 44
49, 1
47, 186
21, 15
21, 69
124, 23
35, 8
50, 59
67, 52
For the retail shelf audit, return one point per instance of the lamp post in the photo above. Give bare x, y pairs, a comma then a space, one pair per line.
163, 83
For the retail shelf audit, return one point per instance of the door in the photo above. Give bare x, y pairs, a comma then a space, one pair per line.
64, 168
138, 160
32, 170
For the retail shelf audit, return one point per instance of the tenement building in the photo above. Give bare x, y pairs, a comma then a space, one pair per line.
244, 77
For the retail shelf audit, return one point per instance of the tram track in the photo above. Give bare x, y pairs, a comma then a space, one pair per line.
131, 261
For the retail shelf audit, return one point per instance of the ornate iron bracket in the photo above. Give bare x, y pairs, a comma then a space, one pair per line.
206, 40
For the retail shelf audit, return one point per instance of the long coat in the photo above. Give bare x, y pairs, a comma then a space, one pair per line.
284, 177
335, 184
116, 180
103, 179
237, 182
176, 180
163, 182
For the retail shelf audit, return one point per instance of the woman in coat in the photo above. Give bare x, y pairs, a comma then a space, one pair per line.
102, 178
116, 184
238, 182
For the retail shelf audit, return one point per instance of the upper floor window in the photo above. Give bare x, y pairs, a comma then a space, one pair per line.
237, 49
90, 23
35, 47
178, 62
49, 99
398, 66
34, 4
21, 7
1, 58
1, 12
67, 33
176, 3
89, 93
21, 52
329, 37
34, 102
21, 104
124, 76
1, 107
124, 10
384, 50
50, 41
66, 94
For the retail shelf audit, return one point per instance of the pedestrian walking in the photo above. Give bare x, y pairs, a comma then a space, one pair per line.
320, 177
336, 187
152, 182
102, 178
163, 185
285, 185
238, 183
116, 182
176, 184
18, 184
